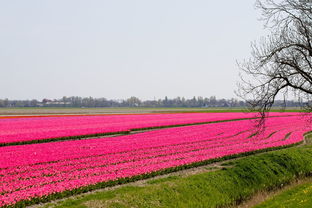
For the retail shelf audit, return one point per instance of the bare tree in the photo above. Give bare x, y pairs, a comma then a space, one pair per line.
281, 63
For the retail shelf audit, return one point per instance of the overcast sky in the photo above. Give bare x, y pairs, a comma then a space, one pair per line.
122, 48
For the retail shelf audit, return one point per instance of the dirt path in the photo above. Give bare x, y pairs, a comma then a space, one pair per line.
140, 183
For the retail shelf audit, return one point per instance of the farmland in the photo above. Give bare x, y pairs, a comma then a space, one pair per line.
236, 181
41, 172
116, 110
33, 129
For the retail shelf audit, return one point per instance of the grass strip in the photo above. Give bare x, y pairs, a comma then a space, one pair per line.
294, 197
224, 187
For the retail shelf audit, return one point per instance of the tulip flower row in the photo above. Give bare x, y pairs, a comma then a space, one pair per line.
29, 173
43, 129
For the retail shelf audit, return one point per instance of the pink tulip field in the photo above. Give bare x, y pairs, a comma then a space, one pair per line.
31, 129
32, 172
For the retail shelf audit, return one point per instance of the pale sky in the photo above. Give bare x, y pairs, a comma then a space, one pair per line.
122, 48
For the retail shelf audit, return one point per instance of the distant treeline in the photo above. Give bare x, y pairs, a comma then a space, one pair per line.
90, 102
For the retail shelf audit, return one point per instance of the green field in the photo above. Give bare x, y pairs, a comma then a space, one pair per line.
62, 110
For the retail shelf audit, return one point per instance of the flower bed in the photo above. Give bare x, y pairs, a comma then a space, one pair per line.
29, 173
47, 128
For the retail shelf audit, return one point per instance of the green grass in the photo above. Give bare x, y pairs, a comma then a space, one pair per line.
298, 196
70, 110
221, 188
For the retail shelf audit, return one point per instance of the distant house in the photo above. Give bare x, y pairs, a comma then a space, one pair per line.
57, 103
46, 102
